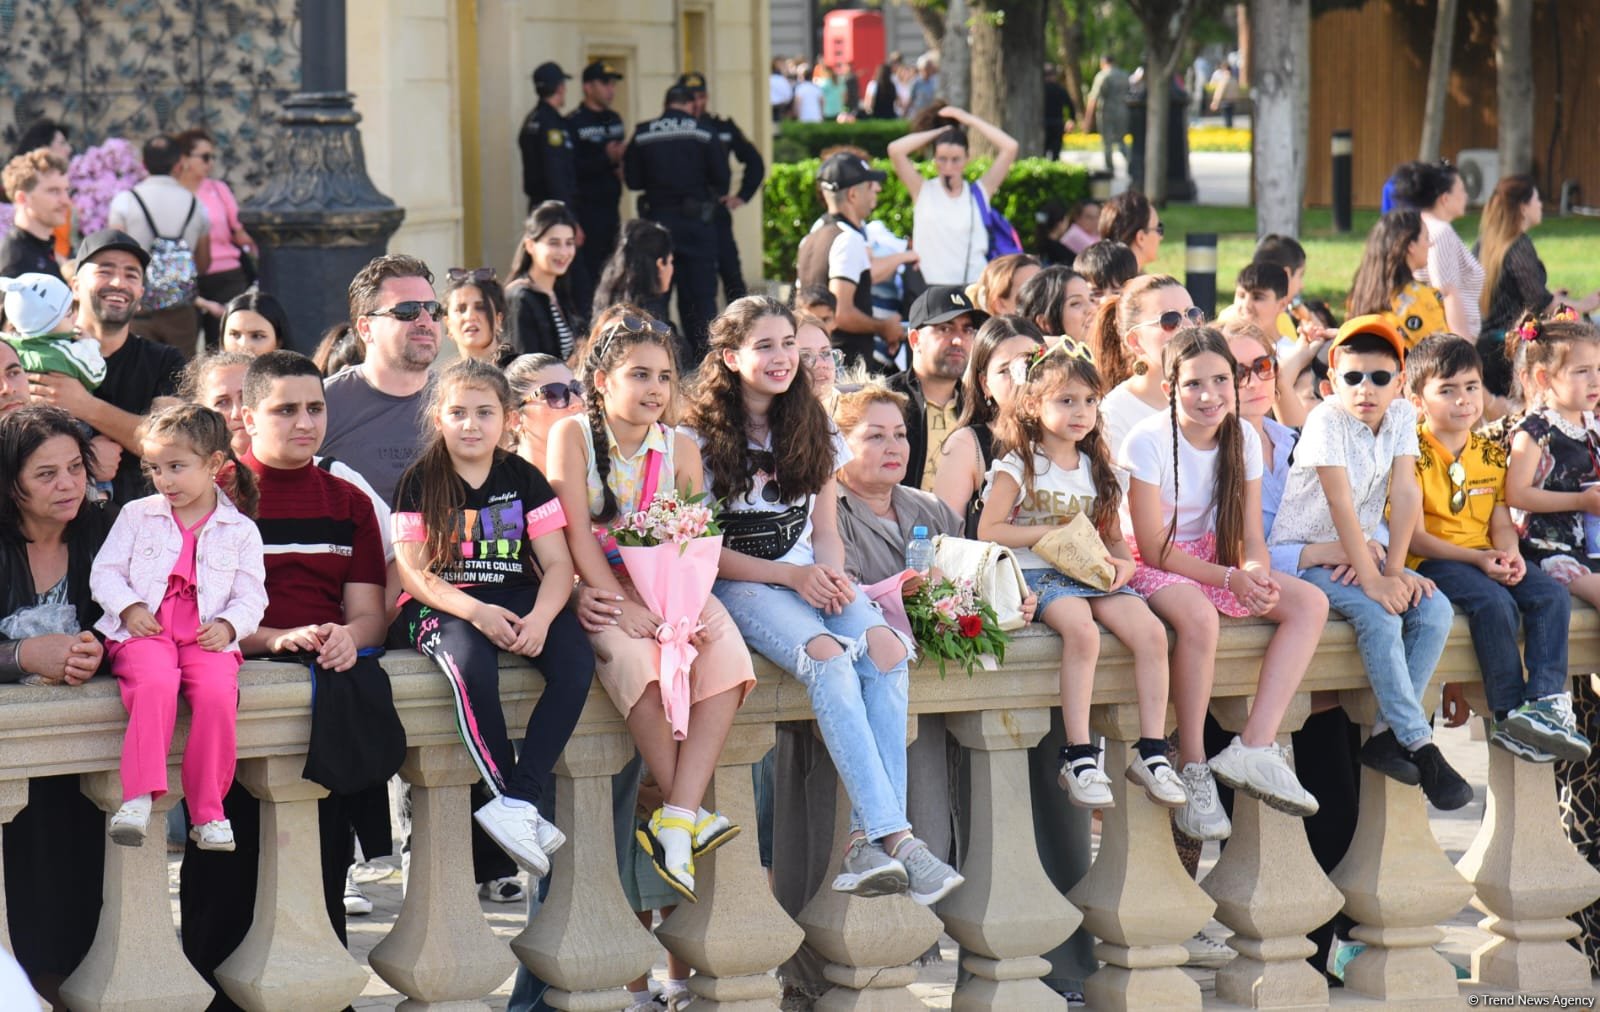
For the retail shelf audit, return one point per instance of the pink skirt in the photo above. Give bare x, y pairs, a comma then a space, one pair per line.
1148, 579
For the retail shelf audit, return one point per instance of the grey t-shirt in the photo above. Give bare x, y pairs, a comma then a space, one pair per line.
375, 433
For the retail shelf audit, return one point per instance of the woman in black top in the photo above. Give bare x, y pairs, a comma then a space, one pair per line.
639, 271
539, 304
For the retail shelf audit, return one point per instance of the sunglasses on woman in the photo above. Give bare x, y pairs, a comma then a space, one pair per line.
1172, 319
809, 359
1378, 377
556, 395
1263, 368
410, 310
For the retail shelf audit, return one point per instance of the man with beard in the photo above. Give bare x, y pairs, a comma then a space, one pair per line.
943, 324
108, 283
375, 409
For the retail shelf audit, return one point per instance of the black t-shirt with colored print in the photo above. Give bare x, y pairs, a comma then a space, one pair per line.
496, 527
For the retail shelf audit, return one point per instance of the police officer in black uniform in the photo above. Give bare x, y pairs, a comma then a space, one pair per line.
598, 139
548, 169
682, 169
734, 142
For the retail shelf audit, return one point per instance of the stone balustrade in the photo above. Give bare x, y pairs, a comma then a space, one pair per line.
1395, 882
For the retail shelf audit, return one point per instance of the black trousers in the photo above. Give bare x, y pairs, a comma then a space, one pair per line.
600, 227
694, 276
1052, 139
728, 268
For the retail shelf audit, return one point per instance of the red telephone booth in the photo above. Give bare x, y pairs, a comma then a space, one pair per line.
856, 38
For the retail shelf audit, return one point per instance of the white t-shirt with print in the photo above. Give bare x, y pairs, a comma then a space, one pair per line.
1332, 437
1147, 455
1120, 411
803, 553
1055, 497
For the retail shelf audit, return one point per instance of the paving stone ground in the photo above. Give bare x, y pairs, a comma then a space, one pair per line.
1454, 831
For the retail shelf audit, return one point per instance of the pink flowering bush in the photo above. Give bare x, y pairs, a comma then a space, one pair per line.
99, 174
669, 520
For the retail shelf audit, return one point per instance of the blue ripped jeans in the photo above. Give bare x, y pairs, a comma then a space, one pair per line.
860, 710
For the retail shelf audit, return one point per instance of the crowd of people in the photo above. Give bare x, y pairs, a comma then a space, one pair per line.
174, 505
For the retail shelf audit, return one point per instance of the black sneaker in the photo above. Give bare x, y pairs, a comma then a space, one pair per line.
1445, 788
1383, 753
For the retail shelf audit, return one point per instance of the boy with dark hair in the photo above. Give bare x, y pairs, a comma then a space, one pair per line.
1467, 545
1358, 454
1260, 292
817, 301
1107, 265
1282, 251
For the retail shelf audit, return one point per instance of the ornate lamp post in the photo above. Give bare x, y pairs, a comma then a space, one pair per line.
319, 219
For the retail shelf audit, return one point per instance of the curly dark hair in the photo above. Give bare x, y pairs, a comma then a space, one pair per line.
802, 436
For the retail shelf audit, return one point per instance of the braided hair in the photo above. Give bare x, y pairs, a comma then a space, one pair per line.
207, 432
1228, 493
616, 332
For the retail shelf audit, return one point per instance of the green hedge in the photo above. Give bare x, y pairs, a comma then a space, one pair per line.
796, 141
792, 203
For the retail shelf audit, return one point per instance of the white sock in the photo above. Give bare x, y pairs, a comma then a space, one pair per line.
677, 841
701, 815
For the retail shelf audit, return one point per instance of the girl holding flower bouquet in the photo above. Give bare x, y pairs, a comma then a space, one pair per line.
771, 454
607, 465
1052, 464
479, 545
1194, 503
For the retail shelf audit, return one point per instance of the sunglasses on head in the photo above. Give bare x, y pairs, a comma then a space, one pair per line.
1378, 377
630, 324
410, 310
1263, 368
556, 395
1171, 320
464, 275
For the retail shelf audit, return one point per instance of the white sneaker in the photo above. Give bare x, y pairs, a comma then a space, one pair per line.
1159, 780
550, 838
214, 835
512, 826
1086, 784
129, 823
1205, 951
503, 890
1263, 773
356, 903
1203, 817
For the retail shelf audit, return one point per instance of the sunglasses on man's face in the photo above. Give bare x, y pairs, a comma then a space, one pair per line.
1378, 377
556, 395
410, 310
1263, 369
1172, 319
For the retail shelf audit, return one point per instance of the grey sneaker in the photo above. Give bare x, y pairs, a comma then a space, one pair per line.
868, 871
1203, 817
1263, 773
931, 880
1205, 951
1519, 748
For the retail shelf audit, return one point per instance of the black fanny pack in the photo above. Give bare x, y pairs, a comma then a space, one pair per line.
761, 534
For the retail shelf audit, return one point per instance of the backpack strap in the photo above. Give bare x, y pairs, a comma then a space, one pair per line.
147, 219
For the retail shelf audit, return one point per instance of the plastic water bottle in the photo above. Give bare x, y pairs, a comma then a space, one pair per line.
919, 552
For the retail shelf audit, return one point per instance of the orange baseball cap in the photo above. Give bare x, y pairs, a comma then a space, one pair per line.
1376, 324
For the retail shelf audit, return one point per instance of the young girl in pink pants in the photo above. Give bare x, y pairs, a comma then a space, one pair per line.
181, 579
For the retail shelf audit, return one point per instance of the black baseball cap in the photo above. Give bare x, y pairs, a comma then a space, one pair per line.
943, 303
601, 70
678, 95
549, 75
111, 238
844, 170
694, 81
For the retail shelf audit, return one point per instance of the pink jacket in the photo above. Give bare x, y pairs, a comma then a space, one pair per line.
138, 555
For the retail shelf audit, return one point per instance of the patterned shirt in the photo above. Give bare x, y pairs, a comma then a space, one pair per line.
1484, 488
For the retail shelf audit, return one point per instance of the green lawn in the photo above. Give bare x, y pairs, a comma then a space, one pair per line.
1570, 248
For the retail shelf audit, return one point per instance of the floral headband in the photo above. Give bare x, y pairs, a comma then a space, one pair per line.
1532, 328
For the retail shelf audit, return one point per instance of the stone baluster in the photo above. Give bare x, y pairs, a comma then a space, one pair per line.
13, 799
869, 942
586, 942
1528, 878
737, 933
136, 961
1137, 898
291, 957
1269, 889
441, 950
1397, 884
1007, 913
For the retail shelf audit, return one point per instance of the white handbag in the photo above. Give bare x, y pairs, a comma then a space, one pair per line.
993, 570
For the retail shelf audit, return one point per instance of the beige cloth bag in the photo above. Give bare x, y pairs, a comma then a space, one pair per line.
993, 570
1075, 549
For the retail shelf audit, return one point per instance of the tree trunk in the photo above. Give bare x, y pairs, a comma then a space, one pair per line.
1514, 56
1008, 72
931, 20
1247, 56
1282, 62
1071, 54
955, 58
1158, 104
1444, 37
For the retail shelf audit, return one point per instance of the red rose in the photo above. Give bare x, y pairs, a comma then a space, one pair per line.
971, 626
